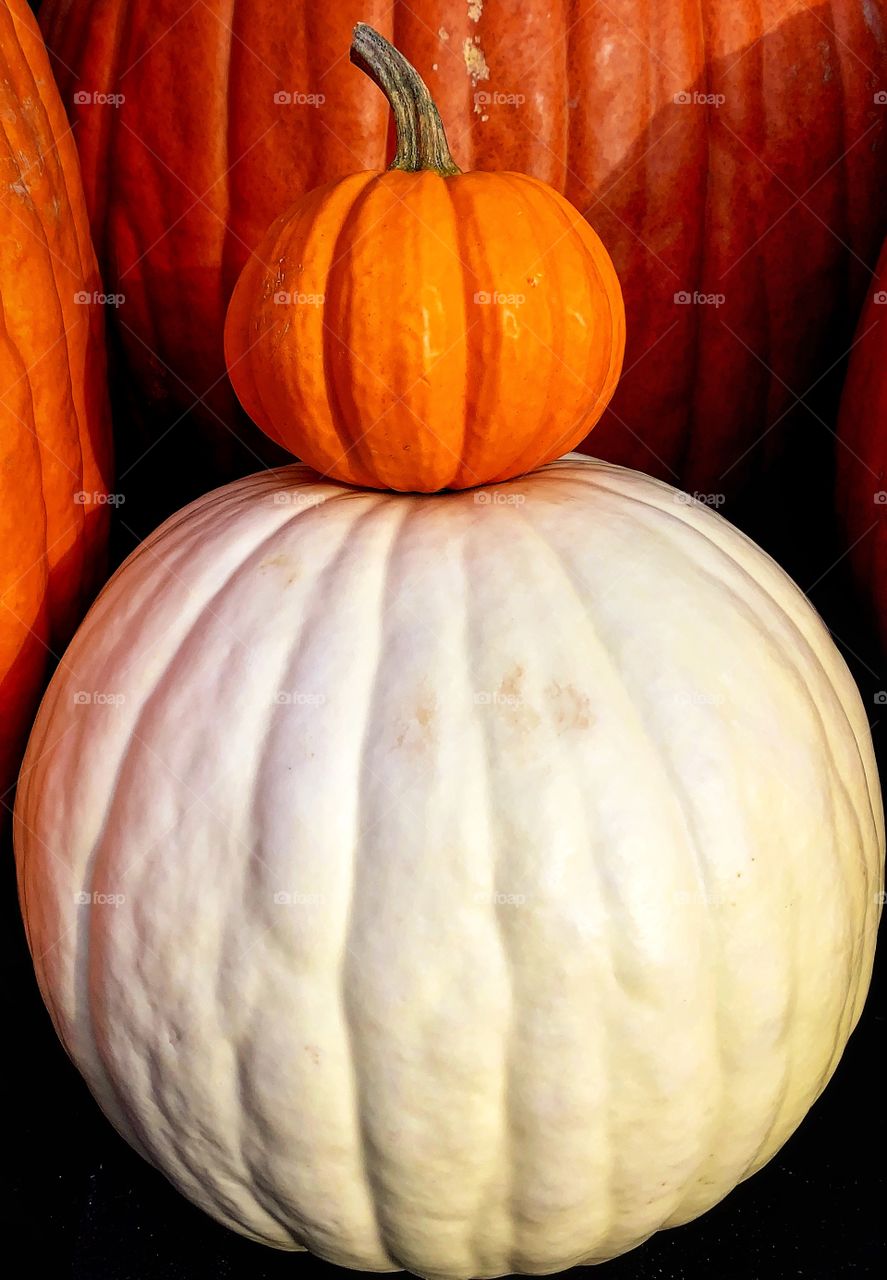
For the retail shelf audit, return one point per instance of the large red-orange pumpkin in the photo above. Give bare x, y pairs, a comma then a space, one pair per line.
862, 450
54, 425
729, 152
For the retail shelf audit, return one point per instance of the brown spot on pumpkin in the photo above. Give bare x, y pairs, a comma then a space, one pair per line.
283, 561
313, 1053
510, 686
572, 708
419, 733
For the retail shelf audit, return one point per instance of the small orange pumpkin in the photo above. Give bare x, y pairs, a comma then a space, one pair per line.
424, 328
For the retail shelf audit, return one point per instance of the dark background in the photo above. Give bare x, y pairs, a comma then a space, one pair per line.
81, 1204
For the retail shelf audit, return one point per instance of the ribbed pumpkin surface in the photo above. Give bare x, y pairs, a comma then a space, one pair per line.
473, 883
54, 425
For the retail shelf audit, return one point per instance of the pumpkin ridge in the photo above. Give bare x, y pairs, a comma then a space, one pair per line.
30, 152
502, 1156
557, 344
134, 249
461, 449
354, 452
234, 52
374, 1188
466, 229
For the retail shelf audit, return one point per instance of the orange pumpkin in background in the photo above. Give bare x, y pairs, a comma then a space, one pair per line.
862, 451
55, 443
731, 156
424, 329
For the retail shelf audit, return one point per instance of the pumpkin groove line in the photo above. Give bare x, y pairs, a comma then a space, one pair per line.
235, 52
473, 371
375, 1191
500, 1152
475, 647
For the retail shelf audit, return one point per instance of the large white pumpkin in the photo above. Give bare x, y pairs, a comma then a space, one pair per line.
472, 883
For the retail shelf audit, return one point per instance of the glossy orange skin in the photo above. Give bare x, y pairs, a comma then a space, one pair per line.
54, 426
862, 450
770, 198
417, 332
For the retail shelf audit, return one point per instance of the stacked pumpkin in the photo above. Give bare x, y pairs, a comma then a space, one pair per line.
473, 878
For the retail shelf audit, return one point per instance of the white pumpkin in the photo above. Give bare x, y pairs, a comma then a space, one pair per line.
472, 884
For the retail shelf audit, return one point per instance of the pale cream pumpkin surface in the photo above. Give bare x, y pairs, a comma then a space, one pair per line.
470, 884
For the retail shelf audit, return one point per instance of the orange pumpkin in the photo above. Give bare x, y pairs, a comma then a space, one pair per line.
54, 424
422, 328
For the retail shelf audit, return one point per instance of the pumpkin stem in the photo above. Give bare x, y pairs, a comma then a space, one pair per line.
421, 141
